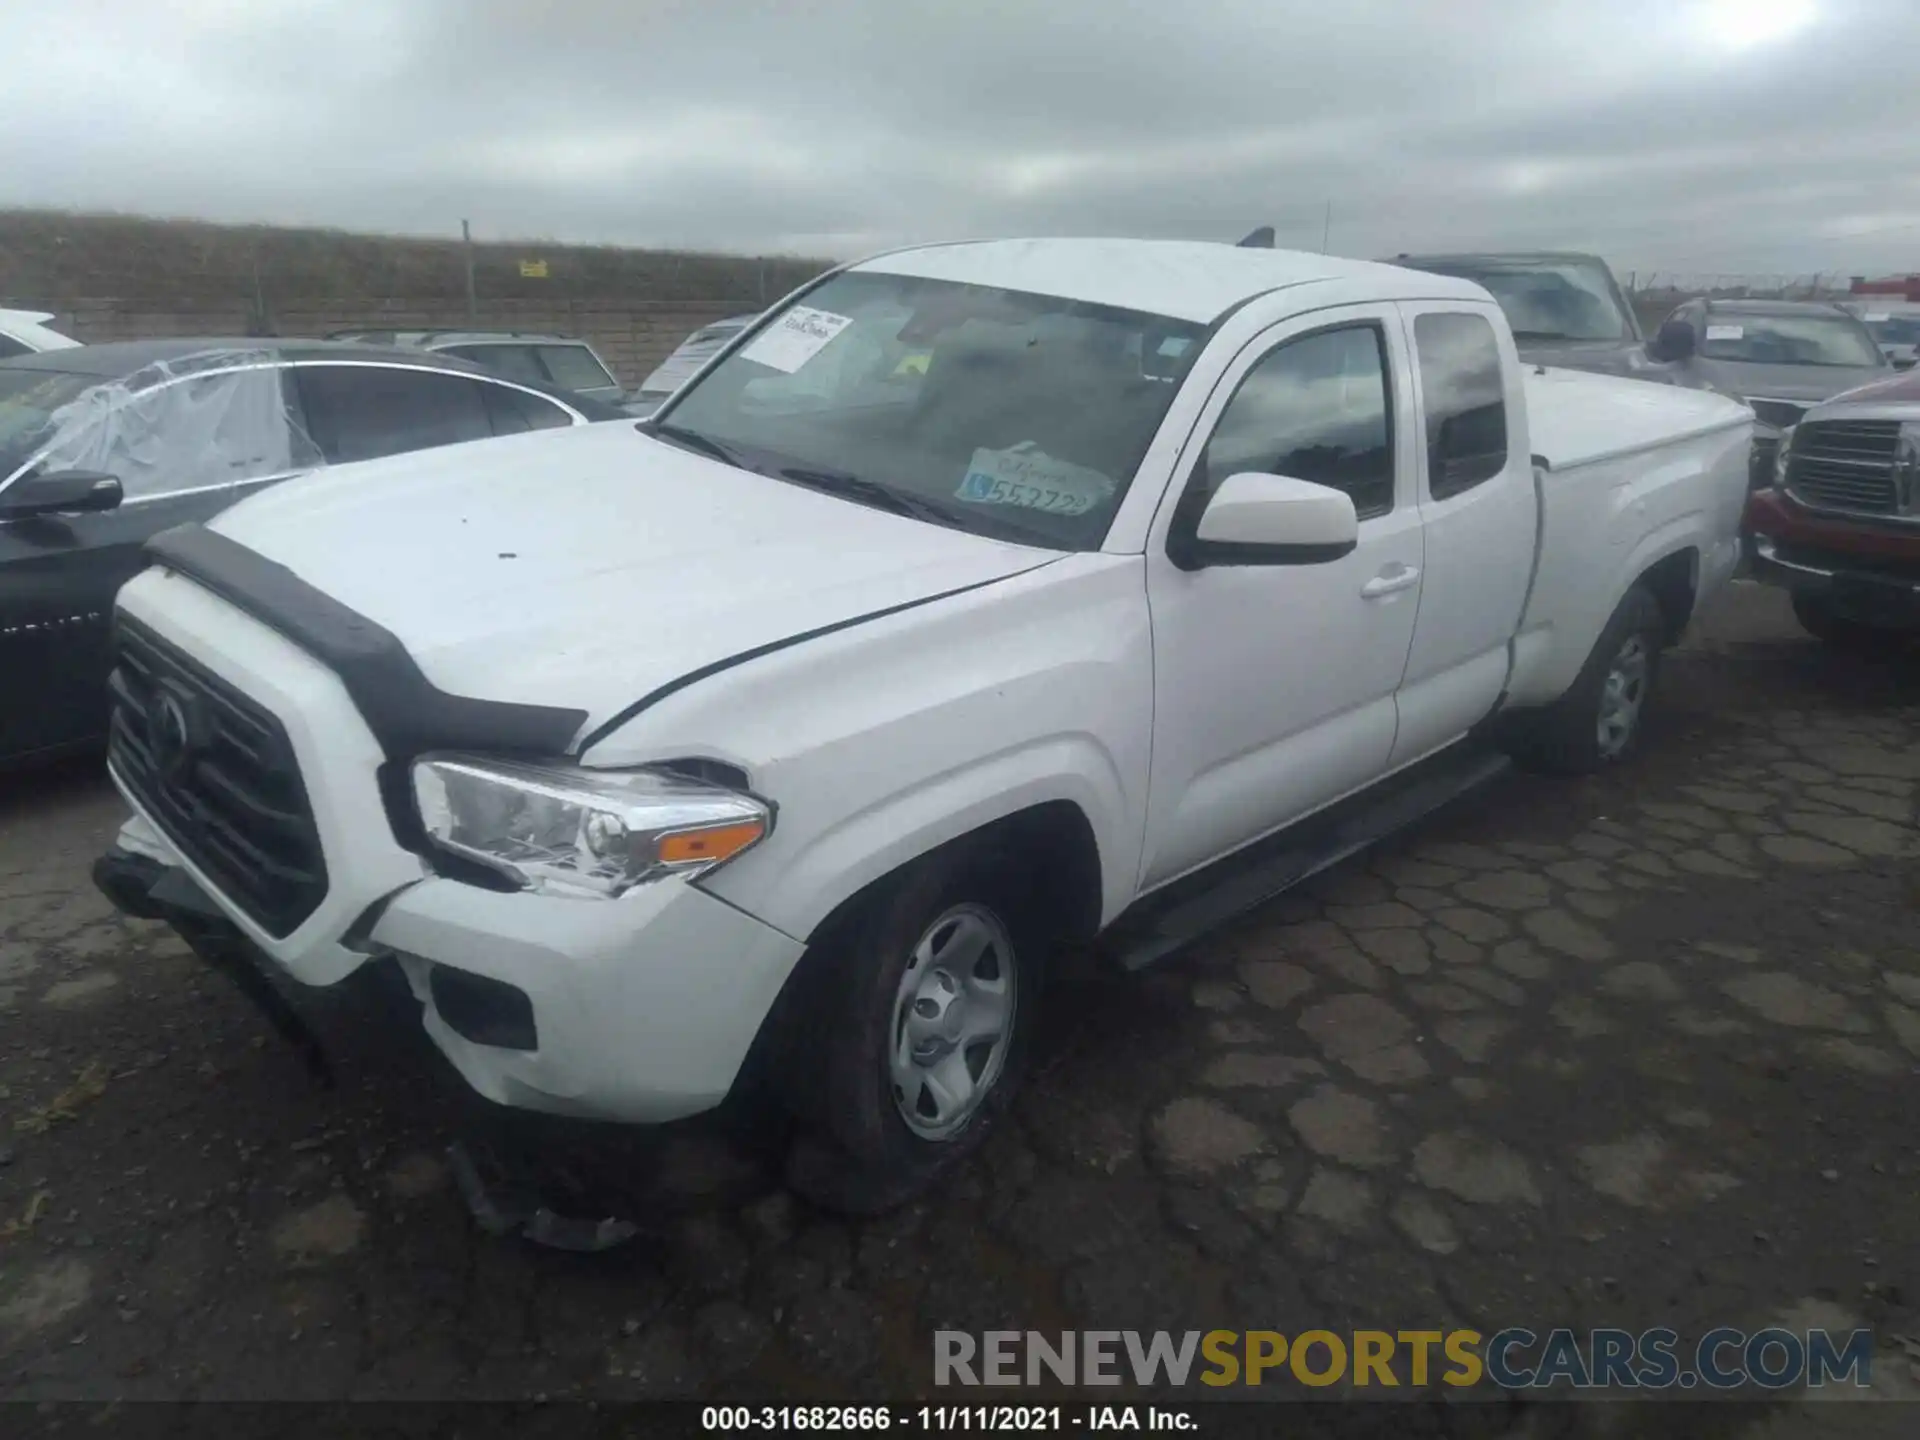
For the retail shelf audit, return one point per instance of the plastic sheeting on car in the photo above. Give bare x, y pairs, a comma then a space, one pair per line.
207, 419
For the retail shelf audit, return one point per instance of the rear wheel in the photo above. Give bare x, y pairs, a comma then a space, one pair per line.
1597, 723
919, 1015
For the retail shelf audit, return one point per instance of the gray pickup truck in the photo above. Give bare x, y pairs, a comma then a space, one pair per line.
1565, 308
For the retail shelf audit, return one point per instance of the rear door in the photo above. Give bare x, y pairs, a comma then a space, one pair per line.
1478, 509
182, 452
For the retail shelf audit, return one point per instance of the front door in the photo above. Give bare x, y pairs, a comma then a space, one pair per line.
1274, 684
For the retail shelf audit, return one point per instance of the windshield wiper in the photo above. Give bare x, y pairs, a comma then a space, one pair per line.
693, 440
869, 492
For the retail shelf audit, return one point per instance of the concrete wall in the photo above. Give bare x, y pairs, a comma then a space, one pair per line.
113, 277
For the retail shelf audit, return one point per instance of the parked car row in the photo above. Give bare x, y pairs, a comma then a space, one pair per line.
538, 359
1777, 356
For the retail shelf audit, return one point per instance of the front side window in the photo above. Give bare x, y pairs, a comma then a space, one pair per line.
29, 399
1464, 394
1316, 409
361, 412
1009, 414
573, 367
159, 430
1894, 329
1749, 339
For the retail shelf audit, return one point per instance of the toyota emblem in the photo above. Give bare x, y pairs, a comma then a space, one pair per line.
173, 736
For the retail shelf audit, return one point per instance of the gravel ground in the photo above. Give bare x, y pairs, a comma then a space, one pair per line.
1626, 1051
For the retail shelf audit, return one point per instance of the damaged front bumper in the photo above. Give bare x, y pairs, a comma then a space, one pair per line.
639, 1009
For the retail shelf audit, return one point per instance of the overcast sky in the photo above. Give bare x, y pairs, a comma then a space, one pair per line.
1698, 135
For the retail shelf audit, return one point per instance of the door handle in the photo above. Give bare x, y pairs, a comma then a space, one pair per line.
1389, 582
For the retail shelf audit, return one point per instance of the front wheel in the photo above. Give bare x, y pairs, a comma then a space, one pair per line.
1597, 723
921, 1011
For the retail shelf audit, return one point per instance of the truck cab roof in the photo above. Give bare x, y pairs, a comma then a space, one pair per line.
1195, 280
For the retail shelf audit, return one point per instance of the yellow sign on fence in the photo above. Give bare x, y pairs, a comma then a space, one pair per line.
533, 269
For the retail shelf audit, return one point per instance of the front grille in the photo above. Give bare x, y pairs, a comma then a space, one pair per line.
1845, 465
1777, 413
231, 798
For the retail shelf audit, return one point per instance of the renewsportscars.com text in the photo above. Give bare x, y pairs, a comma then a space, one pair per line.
1513, 1359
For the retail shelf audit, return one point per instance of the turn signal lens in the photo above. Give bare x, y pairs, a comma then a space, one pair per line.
710, 846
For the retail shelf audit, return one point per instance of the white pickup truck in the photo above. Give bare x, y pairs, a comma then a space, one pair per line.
975, 601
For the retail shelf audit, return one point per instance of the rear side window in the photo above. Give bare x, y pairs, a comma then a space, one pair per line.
517, 361
10, 347
574, 368
361, 412
515, 411
1466, 402
1314, 409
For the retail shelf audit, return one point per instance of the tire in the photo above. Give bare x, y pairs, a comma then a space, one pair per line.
1819, 620
885, 1117
1597, 723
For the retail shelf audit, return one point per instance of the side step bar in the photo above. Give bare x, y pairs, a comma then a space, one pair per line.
1167, 922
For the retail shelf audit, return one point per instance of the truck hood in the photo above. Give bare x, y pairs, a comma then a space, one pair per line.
586, 568
1808, 383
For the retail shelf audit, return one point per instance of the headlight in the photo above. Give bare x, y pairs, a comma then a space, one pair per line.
564, 830
1780, 458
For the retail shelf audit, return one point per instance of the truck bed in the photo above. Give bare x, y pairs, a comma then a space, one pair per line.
1574, 418
1628, 474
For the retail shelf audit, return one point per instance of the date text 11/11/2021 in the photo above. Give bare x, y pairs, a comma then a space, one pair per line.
943, 1419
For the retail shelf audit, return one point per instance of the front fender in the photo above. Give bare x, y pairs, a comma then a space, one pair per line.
885, 740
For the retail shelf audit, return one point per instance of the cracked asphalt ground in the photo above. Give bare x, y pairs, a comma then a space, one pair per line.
1626, 1051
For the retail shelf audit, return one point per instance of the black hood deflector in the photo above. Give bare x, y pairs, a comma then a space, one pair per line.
405, 711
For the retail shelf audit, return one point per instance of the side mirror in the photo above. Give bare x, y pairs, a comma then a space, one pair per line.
1256, 519
1674, 341
59, 492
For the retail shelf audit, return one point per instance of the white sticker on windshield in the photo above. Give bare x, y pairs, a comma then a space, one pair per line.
1173, 346
1725, 332
795, 338
1032, 479
1877, 315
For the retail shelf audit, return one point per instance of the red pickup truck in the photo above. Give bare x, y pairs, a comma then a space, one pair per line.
1840, 525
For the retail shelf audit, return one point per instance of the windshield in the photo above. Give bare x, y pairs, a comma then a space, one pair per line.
28, 399
1550, 299
1894, 329
1790, 340
1008, 414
